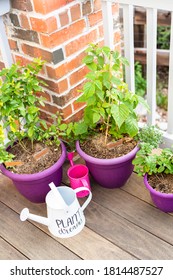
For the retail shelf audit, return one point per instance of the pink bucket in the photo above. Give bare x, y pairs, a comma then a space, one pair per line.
79, 176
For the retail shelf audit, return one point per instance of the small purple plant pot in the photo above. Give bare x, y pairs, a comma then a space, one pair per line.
109, 173
35, 187
163, 201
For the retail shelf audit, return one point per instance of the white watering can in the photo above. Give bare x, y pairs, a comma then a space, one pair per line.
65, 215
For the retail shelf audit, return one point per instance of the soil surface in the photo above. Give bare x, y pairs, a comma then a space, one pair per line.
36, 160
161, 182
97, 148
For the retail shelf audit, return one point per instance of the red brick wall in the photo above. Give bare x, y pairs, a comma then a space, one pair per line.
58, 32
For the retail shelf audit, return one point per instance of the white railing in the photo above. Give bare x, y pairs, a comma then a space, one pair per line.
151, 6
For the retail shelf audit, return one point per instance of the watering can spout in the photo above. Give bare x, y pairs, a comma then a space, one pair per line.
24, 215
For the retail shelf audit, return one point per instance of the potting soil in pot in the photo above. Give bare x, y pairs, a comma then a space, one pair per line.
36, 160
161, 182
97, 148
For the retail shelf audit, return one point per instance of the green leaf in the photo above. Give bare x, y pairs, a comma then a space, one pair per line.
63, 127
116, 81
131, 126
89, 88
98, 84
30, 132
105, 105
106, 50
124, 61
100, 95
88, 91
31, 99
142, 101
92, 66
88, 59
80, 128
107, 84
91, 100
32, 109
91, 76
105, 76
30, 117
22, 110
100, 61
42, 103
96, 117
120, 113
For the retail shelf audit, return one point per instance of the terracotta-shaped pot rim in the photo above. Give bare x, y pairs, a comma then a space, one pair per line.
153, 191
111, 161
39, 175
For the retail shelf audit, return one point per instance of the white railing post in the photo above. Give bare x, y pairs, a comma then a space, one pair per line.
170, 83
108, 23
151, 62
128, 14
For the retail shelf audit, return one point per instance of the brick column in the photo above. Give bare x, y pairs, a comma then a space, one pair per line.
58, 32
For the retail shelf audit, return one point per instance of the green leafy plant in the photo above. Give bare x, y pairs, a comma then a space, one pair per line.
151, 135
19, 104
4, 155
150, 159
140, 81
162, 100
163, 37
58, 130
20, 108
110, 105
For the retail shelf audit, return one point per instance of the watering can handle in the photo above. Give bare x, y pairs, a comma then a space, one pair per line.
70, 158
88, 199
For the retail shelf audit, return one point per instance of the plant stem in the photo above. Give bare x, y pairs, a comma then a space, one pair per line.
32, 144
107, 123
23, 147
107, 128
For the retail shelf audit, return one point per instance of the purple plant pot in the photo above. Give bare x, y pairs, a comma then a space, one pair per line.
109, 173
163, 201
34, 187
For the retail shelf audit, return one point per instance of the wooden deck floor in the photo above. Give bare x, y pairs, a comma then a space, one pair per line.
121, 224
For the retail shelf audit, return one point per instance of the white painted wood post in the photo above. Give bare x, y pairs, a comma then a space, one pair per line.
170, 83
108, 23
166, 5
151, 62
128, 30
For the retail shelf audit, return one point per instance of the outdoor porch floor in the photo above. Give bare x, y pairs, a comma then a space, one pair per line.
121, 224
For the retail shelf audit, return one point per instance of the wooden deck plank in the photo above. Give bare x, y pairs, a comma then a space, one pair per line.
117, 223
7, 252
30, 240
136, 187
134, 203
91, 245
80, 244
126, 235
139, 190
136, 211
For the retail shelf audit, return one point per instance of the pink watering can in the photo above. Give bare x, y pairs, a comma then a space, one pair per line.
79, 176
65, 217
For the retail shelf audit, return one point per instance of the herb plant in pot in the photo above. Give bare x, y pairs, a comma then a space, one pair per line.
37, 152
110, 122
156, 165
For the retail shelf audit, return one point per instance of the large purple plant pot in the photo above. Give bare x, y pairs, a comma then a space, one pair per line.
34, 187
109, 173
163, 201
